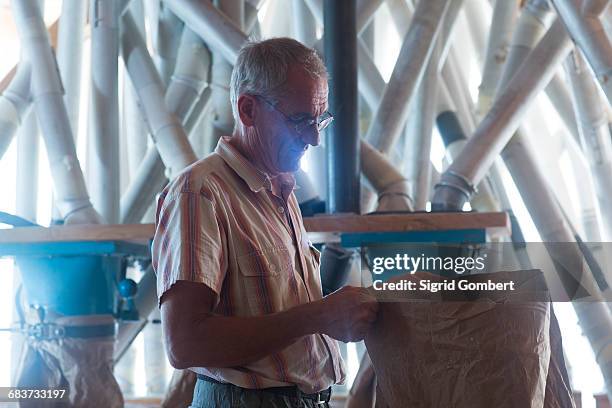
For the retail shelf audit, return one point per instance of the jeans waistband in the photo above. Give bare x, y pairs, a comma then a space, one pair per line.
289, 391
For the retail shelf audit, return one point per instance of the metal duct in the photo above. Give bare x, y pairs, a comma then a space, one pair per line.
14, 104
103, 153
343, 134
304, 25
211, 25
498, 44
418, 43
187, 90
419, 133
392, 187
166, 130
166, 41
454, 140
69, 55
134, 126
594, 132
69, 184
587, 31
457, 182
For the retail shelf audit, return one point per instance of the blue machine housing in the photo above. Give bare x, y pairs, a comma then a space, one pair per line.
73, 278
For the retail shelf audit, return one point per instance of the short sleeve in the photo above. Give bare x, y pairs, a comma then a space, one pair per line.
188, 244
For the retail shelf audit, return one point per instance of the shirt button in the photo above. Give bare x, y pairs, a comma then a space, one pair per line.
281, 210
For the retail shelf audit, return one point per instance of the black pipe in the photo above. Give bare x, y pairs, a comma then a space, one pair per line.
343, 172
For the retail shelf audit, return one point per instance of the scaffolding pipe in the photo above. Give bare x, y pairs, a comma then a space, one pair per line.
343, 135
502, 25
217, 30
14, 105
166, 130
457, 182
586, 29
594, 132
103, 150
69, 184
418, 43
186, 96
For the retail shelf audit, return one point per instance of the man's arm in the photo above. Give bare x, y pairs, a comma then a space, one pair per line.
197, 338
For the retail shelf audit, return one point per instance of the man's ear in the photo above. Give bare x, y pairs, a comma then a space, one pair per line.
247, 109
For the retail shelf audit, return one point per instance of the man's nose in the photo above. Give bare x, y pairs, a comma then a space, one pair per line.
311, 136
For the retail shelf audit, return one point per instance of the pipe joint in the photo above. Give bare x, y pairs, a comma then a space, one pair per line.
452, 192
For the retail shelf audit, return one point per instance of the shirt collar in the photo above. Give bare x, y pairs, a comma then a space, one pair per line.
255, 179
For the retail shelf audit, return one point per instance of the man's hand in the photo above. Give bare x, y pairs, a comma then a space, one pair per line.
348, 313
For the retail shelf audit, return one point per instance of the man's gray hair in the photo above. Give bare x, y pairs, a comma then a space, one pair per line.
261, 68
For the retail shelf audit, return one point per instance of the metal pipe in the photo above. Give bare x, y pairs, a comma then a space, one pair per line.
535, 19
69, 56
586, 29
365, 10
166, 41
343, 137
316, 8
103, 153
27, 168
166, 130
186, 96
498, 45
134, 126
594, 132
418, 43
419, 133
222, 118
14, 105
371, 83
457, 182
392, 187
561, 98
304, 24
454, 140
477, 25
219, 32
69, 183
401, 13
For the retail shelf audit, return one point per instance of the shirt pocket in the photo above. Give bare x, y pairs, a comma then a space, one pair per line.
271, 261
264, 279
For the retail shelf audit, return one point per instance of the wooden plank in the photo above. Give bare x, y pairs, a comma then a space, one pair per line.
496, 223
63, 233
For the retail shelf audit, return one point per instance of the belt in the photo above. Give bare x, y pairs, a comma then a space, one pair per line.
321, 397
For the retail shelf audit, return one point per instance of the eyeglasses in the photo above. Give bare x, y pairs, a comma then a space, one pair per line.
301, 125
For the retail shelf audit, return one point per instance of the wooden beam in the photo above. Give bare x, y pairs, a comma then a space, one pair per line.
494, 223
497, 222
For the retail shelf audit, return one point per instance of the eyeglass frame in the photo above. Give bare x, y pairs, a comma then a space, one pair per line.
302, 124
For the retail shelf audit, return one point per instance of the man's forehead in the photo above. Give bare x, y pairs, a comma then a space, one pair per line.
302, 85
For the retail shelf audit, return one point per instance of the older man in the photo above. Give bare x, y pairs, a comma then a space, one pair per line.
238, 281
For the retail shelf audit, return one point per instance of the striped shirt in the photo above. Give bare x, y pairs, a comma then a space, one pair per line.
224, 223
